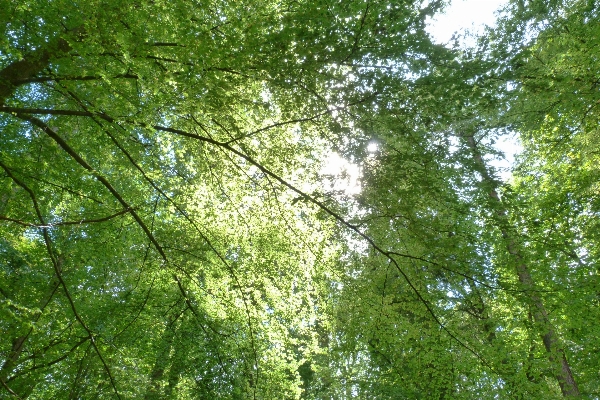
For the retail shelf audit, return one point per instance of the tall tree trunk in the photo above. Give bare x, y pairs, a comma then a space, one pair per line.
155, 387
18, 343
555, 352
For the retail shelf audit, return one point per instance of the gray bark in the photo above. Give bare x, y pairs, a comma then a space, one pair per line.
554, 349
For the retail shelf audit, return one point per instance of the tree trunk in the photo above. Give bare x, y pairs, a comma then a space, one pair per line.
155, 388
556, 353
18, 343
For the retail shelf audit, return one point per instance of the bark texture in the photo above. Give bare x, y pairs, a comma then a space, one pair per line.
556, 353
29, 66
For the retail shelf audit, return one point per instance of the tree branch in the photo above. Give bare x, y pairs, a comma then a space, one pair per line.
30, 65
335, 216
64, 145
52, 225
57, 264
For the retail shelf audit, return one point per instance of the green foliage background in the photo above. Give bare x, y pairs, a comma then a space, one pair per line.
167, 231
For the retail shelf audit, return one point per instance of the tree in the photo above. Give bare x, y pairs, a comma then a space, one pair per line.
151, 157
505, 297
166, 232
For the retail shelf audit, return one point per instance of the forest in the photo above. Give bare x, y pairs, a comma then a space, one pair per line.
170, 228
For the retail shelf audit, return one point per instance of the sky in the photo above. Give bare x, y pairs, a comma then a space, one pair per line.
473, 15
464, 14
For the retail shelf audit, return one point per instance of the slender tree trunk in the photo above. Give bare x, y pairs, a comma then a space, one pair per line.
556, 353
13, 356
155, 387
18, 343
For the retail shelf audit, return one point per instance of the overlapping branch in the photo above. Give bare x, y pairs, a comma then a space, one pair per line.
57, 262
24, 113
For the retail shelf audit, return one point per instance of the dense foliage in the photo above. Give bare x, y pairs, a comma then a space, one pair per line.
168, 230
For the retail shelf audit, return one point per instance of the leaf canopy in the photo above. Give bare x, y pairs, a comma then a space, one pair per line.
167, 229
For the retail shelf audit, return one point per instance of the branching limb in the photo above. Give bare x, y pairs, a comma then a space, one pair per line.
341, 220
65, 223
65, 146
57, 262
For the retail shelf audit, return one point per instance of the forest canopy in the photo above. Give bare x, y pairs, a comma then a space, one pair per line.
169, 227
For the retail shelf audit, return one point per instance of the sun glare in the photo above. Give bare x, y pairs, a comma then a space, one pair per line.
341, 175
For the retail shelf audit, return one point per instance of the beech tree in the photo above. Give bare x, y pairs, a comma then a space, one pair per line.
167, 230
